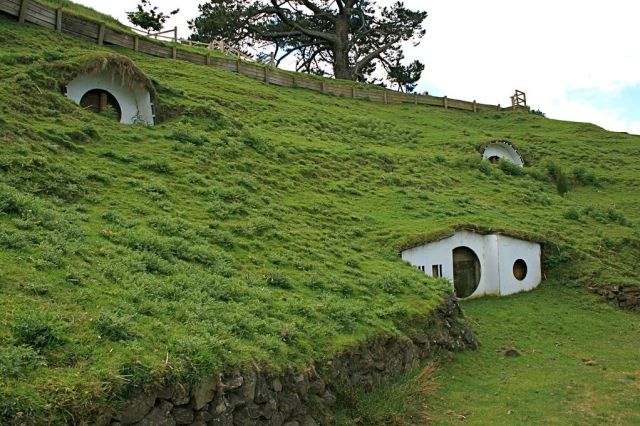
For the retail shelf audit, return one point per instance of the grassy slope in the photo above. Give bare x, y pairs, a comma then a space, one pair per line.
261, 225
558, 330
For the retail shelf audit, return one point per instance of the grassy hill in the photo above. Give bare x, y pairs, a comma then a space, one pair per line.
256, 224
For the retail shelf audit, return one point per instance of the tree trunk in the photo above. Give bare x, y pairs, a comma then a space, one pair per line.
341, 66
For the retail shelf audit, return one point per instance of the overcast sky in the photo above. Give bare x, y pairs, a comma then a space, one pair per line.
577, 60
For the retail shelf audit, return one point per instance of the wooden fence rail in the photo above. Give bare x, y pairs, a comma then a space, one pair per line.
96, 32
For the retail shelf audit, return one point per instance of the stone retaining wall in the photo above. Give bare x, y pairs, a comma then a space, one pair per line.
625, 296
298, 398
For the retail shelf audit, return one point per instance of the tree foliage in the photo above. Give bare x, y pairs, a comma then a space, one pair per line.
146, 16
352, 39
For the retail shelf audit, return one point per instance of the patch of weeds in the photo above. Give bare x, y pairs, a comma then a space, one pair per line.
276, 279
37, 332
113, 327
49, 257
509, 168
353, 263
572, 214
585, 178
392, 284
15, 361
13, 202
221, 238
256, 143
559, 177
345, 314
120, 158
537, 199
189, 136
606, 216
157, 166
12, 240
485, 168
35, 289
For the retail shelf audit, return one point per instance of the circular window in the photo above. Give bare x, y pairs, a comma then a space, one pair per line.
466, 272
520, 269
102, 102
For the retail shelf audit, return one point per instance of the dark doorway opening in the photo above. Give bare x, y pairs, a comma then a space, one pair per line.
466, 271
494, 159
101, 102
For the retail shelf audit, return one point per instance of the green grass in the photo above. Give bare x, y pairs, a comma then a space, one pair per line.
256, 224
578, 364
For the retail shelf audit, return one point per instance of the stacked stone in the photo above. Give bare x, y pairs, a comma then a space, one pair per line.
625, 296
295, 398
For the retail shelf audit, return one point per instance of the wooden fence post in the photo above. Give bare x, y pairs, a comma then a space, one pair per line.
324, 87
294, 83
101, 34
175, 34
445, 102
59, 19
353, 92
266, 75
475, 106
386, 98
415, 99
207, 59
24, 5
174, 53
136, 43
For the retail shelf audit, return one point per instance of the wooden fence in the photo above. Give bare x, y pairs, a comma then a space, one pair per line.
98, 32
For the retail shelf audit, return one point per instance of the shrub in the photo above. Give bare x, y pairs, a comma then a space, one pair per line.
509, 168
572, 214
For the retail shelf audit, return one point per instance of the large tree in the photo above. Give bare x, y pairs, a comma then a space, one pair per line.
354, 39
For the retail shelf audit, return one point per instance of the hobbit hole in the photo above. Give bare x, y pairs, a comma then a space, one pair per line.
496, 150
479, 264
113, 85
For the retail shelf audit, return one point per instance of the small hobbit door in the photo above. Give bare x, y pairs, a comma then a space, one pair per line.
102, 102
466, 272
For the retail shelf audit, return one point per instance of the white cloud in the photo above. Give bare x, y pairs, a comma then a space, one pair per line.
484, 50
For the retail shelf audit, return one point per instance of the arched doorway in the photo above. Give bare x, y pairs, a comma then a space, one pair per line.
466, 271
102, 102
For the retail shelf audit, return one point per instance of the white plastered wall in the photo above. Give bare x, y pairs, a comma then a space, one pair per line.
132, 101
509, 251
496, 253
503, 150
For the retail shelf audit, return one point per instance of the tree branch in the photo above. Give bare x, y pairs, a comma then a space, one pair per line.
371, 56
311, 33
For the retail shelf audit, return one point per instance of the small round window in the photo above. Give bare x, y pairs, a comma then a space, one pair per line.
520, 269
